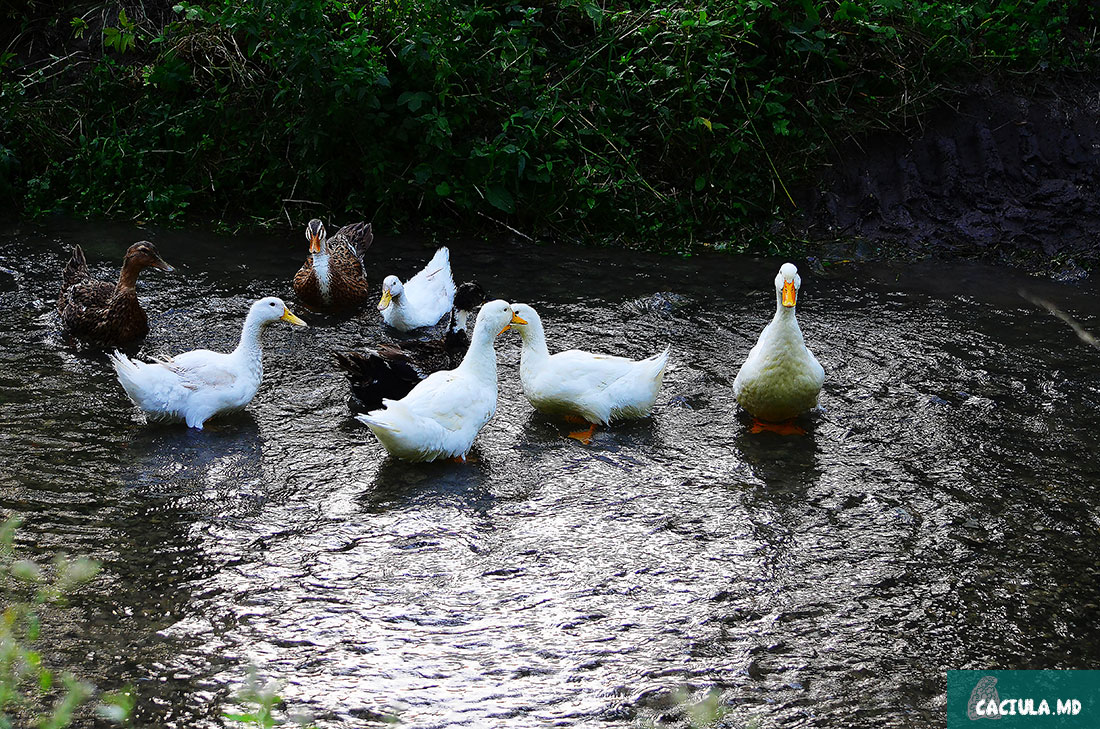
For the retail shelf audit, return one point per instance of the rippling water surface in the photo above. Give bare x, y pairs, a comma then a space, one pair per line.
942, 512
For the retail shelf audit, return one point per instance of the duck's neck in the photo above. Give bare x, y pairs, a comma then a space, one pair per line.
785, 319
481, 357
321, 269
459, 318
127, 279
534, 344
249, 349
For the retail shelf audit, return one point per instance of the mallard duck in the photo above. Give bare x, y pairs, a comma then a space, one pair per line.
421, 301
596, 388
332, 277
103, 313
196, 385
780, 378
390, 371
441, 415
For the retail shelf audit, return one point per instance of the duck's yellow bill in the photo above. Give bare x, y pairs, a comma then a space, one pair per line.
788, 294
516, 319
287, 316
387, 297
315, 244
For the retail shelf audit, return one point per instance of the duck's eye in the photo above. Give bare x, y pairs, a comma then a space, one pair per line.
271, 303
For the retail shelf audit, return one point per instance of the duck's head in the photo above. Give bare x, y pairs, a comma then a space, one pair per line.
526, 319
499, 316
144, 255
391, 289
315, 234
272, 309
787, 283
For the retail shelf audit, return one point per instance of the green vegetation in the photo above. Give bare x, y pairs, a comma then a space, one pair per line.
30, 693
261, 702
638, 122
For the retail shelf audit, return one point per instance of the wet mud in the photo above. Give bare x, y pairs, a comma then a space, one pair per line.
1010, 176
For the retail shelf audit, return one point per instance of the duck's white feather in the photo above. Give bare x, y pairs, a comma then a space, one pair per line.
781, 378
194, 386
597, 387
442, 415
427, 296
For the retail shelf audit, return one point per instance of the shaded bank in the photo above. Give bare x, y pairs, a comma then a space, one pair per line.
1003, 175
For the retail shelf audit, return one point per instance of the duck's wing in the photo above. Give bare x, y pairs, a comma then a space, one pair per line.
349, 282
355, 237
577, 372
450, 399
201, 369
85, 298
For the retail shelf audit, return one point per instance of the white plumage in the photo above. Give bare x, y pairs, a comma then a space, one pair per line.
597, 387
781, 378
424, 299
442, 415
197, 385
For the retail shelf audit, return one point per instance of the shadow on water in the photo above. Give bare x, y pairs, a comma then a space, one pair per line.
941, 512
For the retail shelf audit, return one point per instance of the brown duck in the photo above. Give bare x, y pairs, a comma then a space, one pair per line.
102, 313
332, 277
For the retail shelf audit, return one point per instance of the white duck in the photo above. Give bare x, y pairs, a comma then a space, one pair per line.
596, 387
780, 378
196, 385
442, 415
421, 301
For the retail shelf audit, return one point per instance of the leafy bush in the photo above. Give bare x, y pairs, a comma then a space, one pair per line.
29, 690
645, 122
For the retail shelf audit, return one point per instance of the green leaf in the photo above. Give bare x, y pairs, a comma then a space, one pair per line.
500, 198
443, 189
699, 183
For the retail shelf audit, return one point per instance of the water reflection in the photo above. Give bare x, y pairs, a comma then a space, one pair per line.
945, 492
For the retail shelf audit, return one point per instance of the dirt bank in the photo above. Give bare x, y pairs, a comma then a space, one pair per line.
1002, 175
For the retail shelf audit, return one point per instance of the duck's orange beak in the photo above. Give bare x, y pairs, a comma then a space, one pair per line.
515, 320
315, 244
789, 294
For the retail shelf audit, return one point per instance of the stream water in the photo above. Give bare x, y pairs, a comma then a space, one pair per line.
942, 512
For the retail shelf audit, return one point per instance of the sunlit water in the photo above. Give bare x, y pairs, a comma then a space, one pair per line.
943, 511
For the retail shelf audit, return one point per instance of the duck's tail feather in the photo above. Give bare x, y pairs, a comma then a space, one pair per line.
128, 372
76, 270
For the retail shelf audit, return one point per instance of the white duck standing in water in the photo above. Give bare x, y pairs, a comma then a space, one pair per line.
422, 300
442, 415
592, 388
196, 385
780, 378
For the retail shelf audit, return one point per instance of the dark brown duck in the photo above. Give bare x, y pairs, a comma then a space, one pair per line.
101, 313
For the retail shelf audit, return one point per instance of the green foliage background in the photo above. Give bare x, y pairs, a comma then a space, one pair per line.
637, 122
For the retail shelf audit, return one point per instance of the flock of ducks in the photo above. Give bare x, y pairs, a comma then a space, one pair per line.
423, 399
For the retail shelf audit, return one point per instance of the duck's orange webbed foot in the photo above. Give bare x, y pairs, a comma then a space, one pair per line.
787, 427
584, 436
